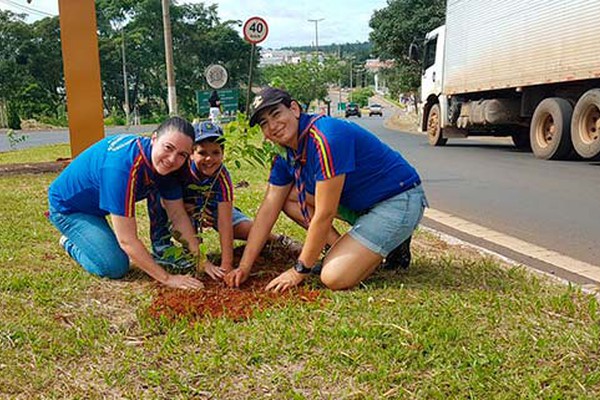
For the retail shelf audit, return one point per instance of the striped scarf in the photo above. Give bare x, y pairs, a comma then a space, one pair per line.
299, 162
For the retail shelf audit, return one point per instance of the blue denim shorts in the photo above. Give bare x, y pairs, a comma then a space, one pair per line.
391, 221
238, 216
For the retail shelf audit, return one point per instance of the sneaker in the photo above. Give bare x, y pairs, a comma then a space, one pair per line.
289, 244
174, 259
62, 241
399, 257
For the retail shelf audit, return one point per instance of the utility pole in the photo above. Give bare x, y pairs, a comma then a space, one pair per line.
125, 84
169, 58
316, 21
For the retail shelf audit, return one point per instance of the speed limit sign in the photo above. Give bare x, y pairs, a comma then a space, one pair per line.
255, 30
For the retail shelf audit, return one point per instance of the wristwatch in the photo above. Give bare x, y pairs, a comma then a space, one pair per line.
300, 268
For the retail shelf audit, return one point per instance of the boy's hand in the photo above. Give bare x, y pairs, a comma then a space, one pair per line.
236, 277
227, 268
213, 271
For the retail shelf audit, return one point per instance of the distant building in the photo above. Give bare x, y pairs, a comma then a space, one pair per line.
278, 57
375, 65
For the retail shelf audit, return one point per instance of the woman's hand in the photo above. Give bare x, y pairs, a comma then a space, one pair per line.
236, 277
285, 281
183, 282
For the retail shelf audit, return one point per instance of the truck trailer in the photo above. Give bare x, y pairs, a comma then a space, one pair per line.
528, 69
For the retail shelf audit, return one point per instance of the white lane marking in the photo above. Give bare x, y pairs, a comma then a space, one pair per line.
540, 253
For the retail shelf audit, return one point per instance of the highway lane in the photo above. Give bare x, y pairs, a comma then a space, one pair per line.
56, 136
553, 204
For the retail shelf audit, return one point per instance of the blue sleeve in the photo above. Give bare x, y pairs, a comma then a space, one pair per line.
281, 172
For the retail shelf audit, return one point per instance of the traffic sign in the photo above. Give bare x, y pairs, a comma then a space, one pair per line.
229, 101
216, 76
255, 30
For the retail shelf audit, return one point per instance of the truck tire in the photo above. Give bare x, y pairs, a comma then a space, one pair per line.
585, 125
434, 129
550, 129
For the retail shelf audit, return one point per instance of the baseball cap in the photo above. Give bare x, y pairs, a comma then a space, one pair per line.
205, 130
267, 97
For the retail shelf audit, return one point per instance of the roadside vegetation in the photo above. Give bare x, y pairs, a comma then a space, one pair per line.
456, 324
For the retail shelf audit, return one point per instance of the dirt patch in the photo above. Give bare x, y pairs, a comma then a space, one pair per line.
218, 300
403, 121
34, 168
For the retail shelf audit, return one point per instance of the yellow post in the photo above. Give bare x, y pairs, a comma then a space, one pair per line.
81, 63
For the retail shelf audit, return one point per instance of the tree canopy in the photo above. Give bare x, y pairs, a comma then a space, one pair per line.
398, 25
31, 71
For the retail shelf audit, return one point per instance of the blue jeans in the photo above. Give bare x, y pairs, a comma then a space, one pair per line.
391, 221
92, 243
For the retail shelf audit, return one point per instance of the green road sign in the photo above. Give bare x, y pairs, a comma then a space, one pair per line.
341, 106
229, 101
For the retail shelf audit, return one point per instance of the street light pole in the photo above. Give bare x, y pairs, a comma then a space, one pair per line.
316, 21
169, 58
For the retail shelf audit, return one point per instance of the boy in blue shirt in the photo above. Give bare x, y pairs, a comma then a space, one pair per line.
207, 195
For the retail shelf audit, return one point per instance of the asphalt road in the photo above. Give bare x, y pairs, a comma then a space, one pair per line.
553, 204
40, 138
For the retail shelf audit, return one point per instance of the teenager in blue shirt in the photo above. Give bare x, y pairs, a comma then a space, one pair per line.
108, 178
336, 169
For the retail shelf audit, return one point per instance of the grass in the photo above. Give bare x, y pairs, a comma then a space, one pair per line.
455, 325
36, 154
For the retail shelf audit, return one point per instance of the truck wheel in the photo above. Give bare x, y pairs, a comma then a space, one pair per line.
550, 130
585, 125
434, 129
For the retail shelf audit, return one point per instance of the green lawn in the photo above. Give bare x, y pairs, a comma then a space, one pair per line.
455, 325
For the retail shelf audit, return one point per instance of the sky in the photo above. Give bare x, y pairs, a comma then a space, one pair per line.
344, 21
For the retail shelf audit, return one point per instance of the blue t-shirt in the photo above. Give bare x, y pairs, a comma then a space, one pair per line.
109, 177
199, 189
374, 171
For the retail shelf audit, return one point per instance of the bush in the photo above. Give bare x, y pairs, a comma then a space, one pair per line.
114, 120
361, 96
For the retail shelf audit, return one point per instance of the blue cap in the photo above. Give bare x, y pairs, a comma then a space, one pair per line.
206, 130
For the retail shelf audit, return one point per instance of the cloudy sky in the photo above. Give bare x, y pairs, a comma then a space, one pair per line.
345, 21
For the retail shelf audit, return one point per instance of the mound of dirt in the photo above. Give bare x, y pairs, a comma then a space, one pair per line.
217, 300
34, 168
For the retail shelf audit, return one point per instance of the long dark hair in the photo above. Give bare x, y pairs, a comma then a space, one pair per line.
178, 124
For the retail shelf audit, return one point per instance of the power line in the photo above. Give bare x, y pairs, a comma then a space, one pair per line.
26, 9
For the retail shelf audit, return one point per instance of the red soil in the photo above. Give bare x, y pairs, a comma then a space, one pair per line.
218, 300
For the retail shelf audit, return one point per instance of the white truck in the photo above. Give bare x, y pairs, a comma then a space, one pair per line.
529, 69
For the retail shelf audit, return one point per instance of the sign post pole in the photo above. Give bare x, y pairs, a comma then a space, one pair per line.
250, 78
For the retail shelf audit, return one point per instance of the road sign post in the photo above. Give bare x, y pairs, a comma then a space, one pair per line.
255, 31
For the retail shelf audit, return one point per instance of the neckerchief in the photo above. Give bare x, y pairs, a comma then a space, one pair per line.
299, 162
147, 180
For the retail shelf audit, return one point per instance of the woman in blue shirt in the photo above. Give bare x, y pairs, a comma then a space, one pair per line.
333, 168
108, 178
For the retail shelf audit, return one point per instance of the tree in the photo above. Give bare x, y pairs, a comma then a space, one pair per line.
305, 81
398, 25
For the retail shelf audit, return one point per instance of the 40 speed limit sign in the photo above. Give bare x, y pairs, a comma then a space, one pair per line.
255, 30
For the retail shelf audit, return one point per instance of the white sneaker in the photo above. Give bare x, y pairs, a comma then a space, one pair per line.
62, 241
